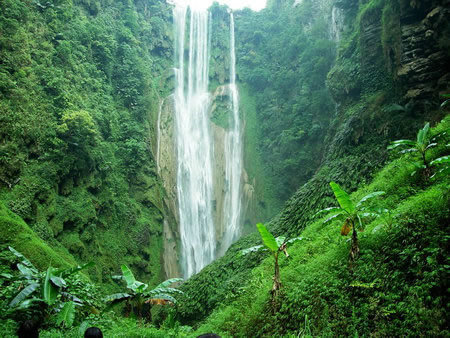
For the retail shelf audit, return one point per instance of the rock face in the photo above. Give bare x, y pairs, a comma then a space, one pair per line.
167, 167
425, 66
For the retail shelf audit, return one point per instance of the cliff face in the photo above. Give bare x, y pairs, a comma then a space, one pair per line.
391, 65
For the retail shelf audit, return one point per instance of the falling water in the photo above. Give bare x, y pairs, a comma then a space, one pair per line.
233, 156
194, 143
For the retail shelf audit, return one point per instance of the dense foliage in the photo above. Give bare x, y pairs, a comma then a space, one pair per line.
79, 87
284, 55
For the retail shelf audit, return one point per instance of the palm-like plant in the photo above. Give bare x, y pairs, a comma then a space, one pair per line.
138, 293
352, 215
421, 145
48, 290
275, 246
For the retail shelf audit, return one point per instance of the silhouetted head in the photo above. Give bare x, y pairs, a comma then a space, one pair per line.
209, 335
28, 329
93, 332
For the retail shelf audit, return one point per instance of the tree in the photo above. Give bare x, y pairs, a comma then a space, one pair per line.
275, 246
138, 293
352, 214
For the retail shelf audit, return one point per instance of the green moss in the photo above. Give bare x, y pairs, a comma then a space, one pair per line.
16, 233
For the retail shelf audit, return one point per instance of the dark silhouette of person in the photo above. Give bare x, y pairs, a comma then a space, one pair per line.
28, 329
209, 335
93, 332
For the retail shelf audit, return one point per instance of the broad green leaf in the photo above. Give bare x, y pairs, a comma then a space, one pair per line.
369, 214
168, 282
292, 240
441, 160
25, 261
24, 294
128, 276
445, 103
422, 134
117, 297
327, 210
156, 291
26, 271
139, 287
369, 196
58, 281
66, 315
252, 249
343, 198
267, 238
431, 145
329, 219
27, 303
71, 271
399, 143
409, 150
447, 96
280, 240
50, 292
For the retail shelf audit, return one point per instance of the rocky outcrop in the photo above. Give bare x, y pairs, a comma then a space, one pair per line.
167, 170
424, 67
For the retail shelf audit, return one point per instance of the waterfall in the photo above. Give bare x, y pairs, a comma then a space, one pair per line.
193, 141
233, 156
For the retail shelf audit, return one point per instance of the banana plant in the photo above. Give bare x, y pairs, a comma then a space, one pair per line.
352, 215
421, 145
139, 294
275, 246
45, 289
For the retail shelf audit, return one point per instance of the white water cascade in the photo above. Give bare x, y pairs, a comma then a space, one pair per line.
193, 142
233, 156
195, 149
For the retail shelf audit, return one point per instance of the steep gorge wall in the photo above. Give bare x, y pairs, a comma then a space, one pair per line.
374, 106
79, 88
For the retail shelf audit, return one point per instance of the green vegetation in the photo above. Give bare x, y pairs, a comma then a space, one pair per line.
352, 214
80, 84
139, 294
284, 55
388, 291
79, 87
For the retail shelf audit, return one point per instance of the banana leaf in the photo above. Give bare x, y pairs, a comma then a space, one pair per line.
267, 238
441, 160
24, 294
50, 291
117, 297
128, 276
343, 198
168, 282
25, 261
327, 210
369, 196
